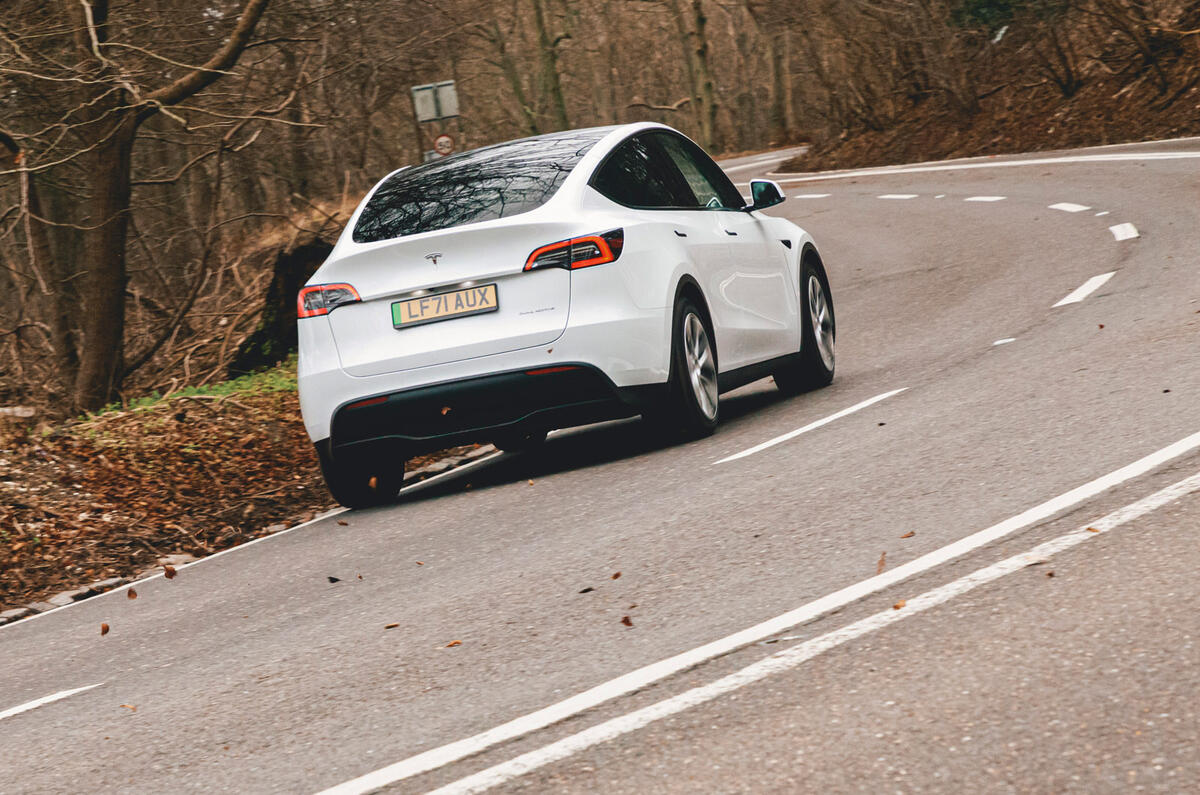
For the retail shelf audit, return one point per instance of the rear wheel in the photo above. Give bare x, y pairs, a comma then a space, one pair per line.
692, 405
361, 484
813, 368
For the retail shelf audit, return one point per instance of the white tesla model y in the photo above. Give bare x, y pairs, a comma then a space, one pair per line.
548, 282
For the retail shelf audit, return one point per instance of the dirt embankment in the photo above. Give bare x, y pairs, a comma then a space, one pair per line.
1026, 115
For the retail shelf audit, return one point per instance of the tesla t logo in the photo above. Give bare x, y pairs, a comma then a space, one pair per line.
433, 258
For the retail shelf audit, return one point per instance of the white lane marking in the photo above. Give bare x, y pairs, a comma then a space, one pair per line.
1037, 161
940, 196
758, 448
1105, 212
1069, 207
8, 713
327, 515
985, 198
655, 672
1005, 341
897, 196
811, 195
1084, 290
744, 166
797, 655
1124, 231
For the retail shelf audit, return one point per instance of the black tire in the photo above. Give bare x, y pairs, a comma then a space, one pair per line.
692, 406
359, 484
813, 367
520, 441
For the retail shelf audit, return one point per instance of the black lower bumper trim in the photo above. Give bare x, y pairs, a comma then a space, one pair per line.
432, 417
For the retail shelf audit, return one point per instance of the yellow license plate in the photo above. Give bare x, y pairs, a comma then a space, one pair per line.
443, 306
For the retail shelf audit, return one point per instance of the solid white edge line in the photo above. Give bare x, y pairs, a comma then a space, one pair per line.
647, 675
758, 448
319, 518
1123, 231
8, 713
1038, 161
795, 656
1069, 207
985, 198
811, 195
1084, 290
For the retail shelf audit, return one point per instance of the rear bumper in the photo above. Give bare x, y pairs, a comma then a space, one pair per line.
418, 420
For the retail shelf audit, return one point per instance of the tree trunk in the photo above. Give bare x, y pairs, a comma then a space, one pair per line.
551, 79
103, 263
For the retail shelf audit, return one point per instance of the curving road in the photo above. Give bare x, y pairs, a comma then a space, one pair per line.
970, 563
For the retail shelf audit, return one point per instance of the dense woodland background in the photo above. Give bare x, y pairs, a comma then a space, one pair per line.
171, 172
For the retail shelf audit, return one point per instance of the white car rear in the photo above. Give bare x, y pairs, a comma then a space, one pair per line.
494, 295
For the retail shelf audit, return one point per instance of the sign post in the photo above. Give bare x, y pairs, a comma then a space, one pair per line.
435, 102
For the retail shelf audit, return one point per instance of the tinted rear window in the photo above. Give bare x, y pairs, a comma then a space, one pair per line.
480, 185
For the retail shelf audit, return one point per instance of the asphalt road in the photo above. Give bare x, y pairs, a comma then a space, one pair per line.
939, 658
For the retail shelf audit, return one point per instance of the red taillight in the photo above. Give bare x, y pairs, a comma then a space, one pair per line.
578, 252
321, 299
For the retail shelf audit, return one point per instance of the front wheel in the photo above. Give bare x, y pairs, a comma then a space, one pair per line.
692, 406
361, 484
813, 367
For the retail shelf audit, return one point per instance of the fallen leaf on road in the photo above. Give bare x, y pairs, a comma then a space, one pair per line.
616, 575
1050, 574
900, 604
103, 630
1101, 325
419, 563
1092, 530
909, 534
589, 589
627, 621
343, 523
333, 579
131, 594
631, 607
360, 576
390, 626
453, 643
445, 410
130, 707
882, 562
531, 481
373, 483
169, 572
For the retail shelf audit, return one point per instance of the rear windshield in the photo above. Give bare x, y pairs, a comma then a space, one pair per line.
480, 185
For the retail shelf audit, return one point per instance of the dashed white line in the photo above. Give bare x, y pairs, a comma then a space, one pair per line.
985, 198
8, 713
1069, 207
812, 426
655, 672
897, 196
1102, 213
1124, 231
1084, 290
940, 196
1005, 341
811, 195
797, 655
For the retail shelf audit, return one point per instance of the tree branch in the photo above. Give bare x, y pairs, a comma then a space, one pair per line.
203, 76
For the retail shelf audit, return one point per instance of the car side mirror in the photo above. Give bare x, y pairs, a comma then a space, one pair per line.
765, 193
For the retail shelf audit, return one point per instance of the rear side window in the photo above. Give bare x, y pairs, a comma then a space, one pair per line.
709, 186
637, 175
481, 185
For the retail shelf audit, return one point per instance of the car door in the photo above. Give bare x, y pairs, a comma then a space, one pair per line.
641, 177
755, 283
